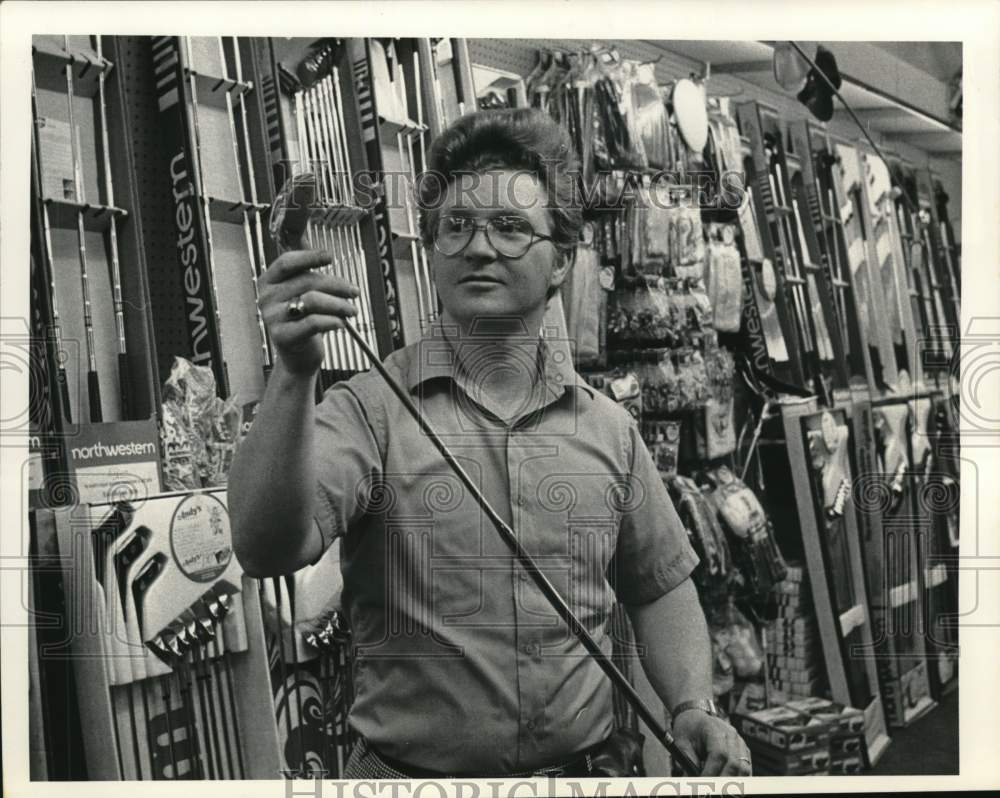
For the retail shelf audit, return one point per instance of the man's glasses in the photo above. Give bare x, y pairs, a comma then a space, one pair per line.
510, 236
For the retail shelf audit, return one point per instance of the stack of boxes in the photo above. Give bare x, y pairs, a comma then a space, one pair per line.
807, 737
848, 752
795, 667
785, 742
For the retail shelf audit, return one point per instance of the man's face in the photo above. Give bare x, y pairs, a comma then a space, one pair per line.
478, 281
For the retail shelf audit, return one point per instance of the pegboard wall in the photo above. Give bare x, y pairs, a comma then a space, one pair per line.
152, 186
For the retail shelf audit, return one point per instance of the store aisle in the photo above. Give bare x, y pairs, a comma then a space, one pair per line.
927, 748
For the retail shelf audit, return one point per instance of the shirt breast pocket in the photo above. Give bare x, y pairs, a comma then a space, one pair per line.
579, 516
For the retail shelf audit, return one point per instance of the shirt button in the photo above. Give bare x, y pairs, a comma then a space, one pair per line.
523, 577
520, 501
528, 648
530, 724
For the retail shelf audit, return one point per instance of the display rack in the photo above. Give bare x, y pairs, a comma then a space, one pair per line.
90, 244
167, 646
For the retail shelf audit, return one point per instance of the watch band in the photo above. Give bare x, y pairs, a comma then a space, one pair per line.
706, 705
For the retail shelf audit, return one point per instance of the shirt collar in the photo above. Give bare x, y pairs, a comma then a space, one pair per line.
434, 356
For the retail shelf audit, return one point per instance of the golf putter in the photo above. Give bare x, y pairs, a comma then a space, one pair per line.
146, 574
104, 539
651, 719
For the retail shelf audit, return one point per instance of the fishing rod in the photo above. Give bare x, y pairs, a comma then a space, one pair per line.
509, 537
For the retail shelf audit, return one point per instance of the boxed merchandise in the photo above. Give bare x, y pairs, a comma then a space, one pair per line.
788, 588
845, 745
791, 690
847, 765
768, 760
789, 604
795, 675
789, 661
843, 719
782, 728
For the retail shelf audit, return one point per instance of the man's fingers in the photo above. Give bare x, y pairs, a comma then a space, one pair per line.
309, 281
311, 303
687, 749
737, 755
316, 323
723, 745
715, 763
295, 262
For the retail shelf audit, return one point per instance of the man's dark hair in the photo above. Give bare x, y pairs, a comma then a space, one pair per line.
511, 139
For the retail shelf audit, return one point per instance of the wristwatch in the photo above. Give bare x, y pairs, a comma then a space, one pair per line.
706, 705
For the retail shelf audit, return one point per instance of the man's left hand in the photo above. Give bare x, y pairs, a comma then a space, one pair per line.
712, 742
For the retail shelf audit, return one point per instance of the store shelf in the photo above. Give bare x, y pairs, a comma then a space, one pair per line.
231, 211
392, 127
212, 89
49, 63
96, 218
401, 244
336, 215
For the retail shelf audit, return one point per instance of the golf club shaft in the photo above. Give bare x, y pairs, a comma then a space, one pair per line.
93, 381
541, 581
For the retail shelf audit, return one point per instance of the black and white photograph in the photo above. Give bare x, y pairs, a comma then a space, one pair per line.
556, 408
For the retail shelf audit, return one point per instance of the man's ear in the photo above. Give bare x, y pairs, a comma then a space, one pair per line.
564, 262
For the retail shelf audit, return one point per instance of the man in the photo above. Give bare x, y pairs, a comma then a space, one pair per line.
462, 668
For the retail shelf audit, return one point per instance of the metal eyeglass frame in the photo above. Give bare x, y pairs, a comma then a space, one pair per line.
485, 227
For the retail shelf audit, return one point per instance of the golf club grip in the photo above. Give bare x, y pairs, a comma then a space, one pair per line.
63, 379
94, 394
541, 581
124, 386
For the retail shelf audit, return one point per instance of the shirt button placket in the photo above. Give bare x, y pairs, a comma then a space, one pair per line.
527, 649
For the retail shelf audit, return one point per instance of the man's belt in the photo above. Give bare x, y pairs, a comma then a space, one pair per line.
385, 767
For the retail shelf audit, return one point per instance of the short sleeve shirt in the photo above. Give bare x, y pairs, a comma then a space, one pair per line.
461, 664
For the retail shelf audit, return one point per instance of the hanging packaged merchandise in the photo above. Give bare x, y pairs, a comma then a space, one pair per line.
723, 278
726, 139
693, 384
651, 119
723, 678
199, 431
624, 388
642, 314
707, 538
632, 93
755, 551
657, 224
715, 430
617, 135
585, 297
715, 425
735, 635
689, 252
662, 438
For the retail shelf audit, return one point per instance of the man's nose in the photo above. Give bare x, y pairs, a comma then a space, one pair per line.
479, 247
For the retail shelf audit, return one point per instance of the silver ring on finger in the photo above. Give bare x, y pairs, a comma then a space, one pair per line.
296, 308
